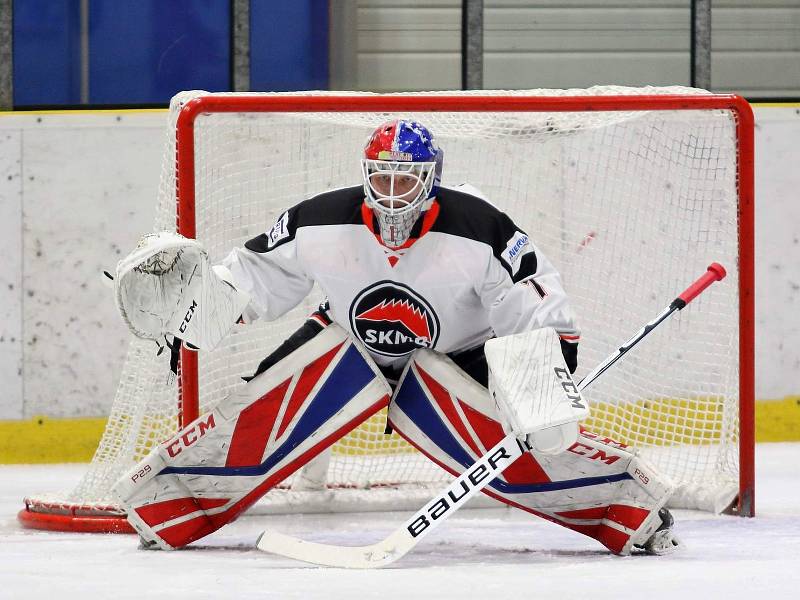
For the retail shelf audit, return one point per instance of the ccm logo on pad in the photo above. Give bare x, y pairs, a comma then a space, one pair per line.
190, 436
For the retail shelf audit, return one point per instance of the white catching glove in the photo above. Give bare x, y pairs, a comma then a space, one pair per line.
167, 287
536, 397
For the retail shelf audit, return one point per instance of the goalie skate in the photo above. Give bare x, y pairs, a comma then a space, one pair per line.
663, 541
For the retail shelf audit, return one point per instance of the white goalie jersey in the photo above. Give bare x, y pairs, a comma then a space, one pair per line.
467, 274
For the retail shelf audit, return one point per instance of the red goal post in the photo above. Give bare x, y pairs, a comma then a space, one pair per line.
675, 408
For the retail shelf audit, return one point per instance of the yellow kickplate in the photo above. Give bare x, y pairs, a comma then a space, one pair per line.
778, 420
48, 440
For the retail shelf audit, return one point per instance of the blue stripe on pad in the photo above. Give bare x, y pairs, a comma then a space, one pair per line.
347, 379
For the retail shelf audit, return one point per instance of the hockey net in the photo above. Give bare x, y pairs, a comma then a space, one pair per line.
630, 192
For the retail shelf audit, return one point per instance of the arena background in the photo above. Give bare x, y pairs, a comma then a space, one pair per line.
85, 82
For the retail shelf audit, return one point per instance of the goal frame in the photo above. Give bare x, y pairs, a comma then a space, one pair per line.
185, 183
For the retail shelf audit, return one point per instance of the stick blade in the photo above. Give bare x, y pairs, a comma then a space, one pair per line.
345, 557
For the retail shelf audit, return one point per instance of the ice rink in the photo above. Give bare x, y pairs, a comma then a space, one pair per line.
487, 553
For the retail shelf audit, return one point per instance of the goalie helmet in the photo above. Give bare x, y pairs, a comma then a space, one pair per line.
402, 168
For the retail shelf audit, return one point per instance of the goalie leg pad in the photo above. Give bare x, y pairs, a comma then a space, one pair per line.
223, 462
596, 487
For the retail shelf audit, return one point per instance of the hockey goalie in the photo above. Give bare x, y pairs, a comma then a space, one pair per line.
437, 305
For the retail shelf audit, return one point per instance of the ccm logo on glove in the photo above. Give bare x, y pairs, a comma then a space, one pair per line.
188, 317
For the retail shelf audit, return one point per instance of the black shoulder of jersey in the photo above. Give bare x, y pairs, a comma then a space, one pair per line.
334, 207
471, 217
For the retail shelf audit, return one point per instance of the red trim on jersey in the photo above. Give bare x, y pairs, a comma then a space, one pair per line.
319, 320
429, 218
570, 338
536, 286
369, 219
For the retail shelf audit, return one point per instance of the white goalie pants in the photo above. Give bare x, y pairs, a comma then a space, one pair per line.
597, 487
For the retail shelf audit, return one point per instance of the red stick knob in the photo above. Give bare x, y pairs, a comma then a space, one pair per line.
714, 273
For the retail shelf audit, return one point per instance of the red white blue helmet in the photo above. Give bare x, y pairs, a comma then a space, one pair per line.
402, 169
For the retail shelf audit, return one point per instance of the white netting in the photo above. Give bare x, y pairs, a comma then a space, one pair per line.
630, 206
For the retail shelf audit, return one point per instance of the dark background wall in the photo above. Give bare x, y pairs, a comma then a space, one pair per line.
143, 52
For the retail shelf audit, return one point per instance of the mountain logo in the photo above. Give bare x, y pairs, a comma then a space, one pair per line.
391, 319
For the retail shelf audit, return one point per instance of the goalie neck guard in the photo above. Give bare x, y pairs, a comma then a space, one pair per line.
402, 168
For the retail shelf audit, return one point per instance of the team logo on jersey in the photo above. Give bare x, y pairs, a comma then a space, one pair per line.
391, 319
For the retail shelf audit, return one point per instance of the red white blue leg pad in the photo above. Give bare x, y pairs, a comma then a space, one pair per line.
220, 464
597, 487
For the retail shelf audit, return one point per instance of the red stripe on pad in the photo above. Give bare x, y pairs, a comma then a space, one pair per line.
630, 516
524, 470
301, 460
598, 512
187, 532
255, 423
161, 512
194, 529
486, 490
612, 539
209, 503
445, 402
308, 378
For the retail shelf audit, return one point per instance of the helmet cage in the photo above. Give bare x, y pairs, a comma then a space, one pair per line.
397, 192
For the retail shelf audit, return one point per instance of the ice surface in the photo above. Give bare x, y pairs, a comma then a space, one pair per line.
489, 553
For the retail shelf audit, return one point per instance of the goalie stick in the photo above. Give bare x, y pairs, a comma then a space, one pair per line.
469, 483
